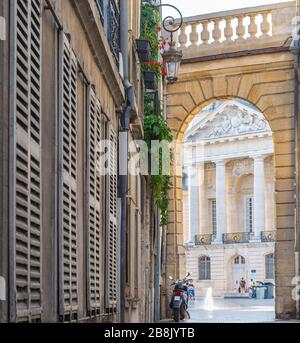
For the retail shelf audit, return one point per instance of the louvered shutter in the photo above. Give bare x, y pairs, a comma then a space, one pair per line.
95, 200
112, 229
68, 234
26, 173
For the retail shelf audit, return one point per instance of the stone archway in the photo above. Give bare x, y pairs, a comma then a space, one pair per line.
266, 81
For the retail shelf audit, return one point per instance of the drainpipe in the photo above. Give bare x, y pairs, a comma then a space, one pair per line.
295, 49
130, 108
157, 270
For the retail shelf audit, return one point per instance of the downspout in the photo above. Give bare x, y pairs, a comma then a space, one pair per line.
130, 108
295, 49
157, 271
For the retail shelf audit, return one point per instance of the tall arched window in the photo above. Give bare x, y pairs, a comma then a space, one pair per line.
269, 260
204, 268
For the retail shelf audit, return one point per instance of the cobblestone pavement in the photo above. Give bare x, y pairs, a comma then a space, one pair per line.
232, 311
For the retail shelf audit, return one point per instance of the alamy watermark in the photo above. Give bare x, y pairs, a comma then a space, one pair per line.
2, 28
2, 289
296, 289
144, 159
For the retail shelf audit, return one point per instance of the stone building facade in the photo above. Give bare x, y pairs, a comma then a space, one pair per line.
255, 63
228, 197
62, 92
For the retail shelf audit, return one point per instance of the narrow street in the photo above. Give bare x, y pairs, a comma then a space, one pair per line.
232, 311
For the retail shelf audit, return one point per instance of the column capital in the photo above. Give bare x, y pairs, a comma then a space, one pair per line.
220, 162
259, 157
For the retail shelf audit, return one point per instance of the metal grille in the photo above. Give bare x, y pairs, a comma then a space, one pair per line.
203, 239
95, 135
249, 213
114, 27
68, 188
100, 8
112, 232
27, 169
237, 237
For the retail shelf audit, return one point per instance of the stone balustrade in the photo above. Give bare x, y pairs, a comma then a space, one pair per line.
242, 29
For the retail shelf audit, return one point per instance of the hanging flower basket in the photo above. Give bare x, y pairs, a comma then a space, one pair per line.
150, 79
143, 48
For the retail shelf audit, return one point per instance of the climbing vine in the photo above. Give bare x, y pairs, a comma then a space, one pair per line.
157, 129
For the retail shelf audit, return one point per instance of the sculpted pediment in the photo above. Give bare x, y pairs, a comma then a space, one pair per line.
231, 119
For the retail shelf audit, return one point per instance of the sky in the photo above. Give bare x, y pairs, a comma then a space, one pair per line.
195, 7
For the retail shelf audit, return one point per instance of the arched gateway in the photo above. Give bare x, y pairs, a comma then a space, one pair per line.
259, 69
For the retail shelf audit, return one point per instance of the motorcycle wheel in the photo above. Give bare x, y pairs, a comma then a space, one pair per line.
176, 314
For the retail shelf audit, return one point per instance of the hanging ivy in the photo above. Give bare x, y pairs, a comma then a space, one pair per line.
156, 129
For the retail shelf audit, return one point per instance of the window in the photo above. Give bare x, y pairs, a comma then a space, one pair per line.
204, 268
109, 12
249, 214
269, 260
239, 260
213, 209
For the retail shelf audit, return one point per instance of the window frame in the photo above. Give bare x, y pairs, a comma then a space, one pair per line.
204, 268
249, 213
270, 266
213, 215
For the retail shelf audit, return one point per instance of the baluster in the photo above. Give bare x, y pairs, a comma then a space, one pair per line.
194, 36
182, 39
265, 25
240, 30
252, 27
228, 29
205, 33
217, 33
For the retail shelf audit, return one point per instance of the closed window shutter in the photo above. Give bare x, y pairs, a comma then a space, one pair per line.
112, 230
68, 189
95, 199
26, 229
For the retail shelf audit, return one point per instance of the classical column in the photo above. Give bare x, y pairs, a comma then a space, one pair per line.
221, 199
201, 194
259, 195
193, 202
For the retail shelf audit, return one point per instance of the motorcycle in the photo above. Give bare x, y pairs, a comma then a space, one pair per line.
180, 298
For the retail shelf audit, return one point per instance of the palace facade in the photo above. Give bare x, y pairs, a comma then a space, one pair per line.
228, 197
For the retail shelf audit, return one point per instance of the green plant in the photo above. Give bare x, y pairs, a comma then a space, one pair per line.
149, 27
156, 129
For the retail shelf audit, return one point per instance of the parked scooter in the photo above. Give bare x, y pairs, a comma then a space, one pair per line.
179, 302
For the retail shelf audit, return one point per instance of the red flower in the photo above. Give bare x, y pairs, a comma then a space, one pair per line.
158, 28
164, 72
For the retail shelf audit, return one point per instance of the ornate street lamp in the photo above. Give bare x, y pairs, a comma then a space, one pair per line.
172, 57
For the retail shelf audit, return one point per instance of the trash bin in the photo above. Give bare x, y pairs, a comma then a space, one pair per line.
270, 290
261, 292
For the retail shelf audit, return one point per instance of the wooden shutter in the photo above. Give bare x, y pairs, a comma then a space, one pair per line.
95, 134
68, 230
25, 228
112, 229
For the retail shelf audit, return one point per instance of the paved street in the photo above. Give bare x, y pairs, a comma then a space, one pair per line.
232, 311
